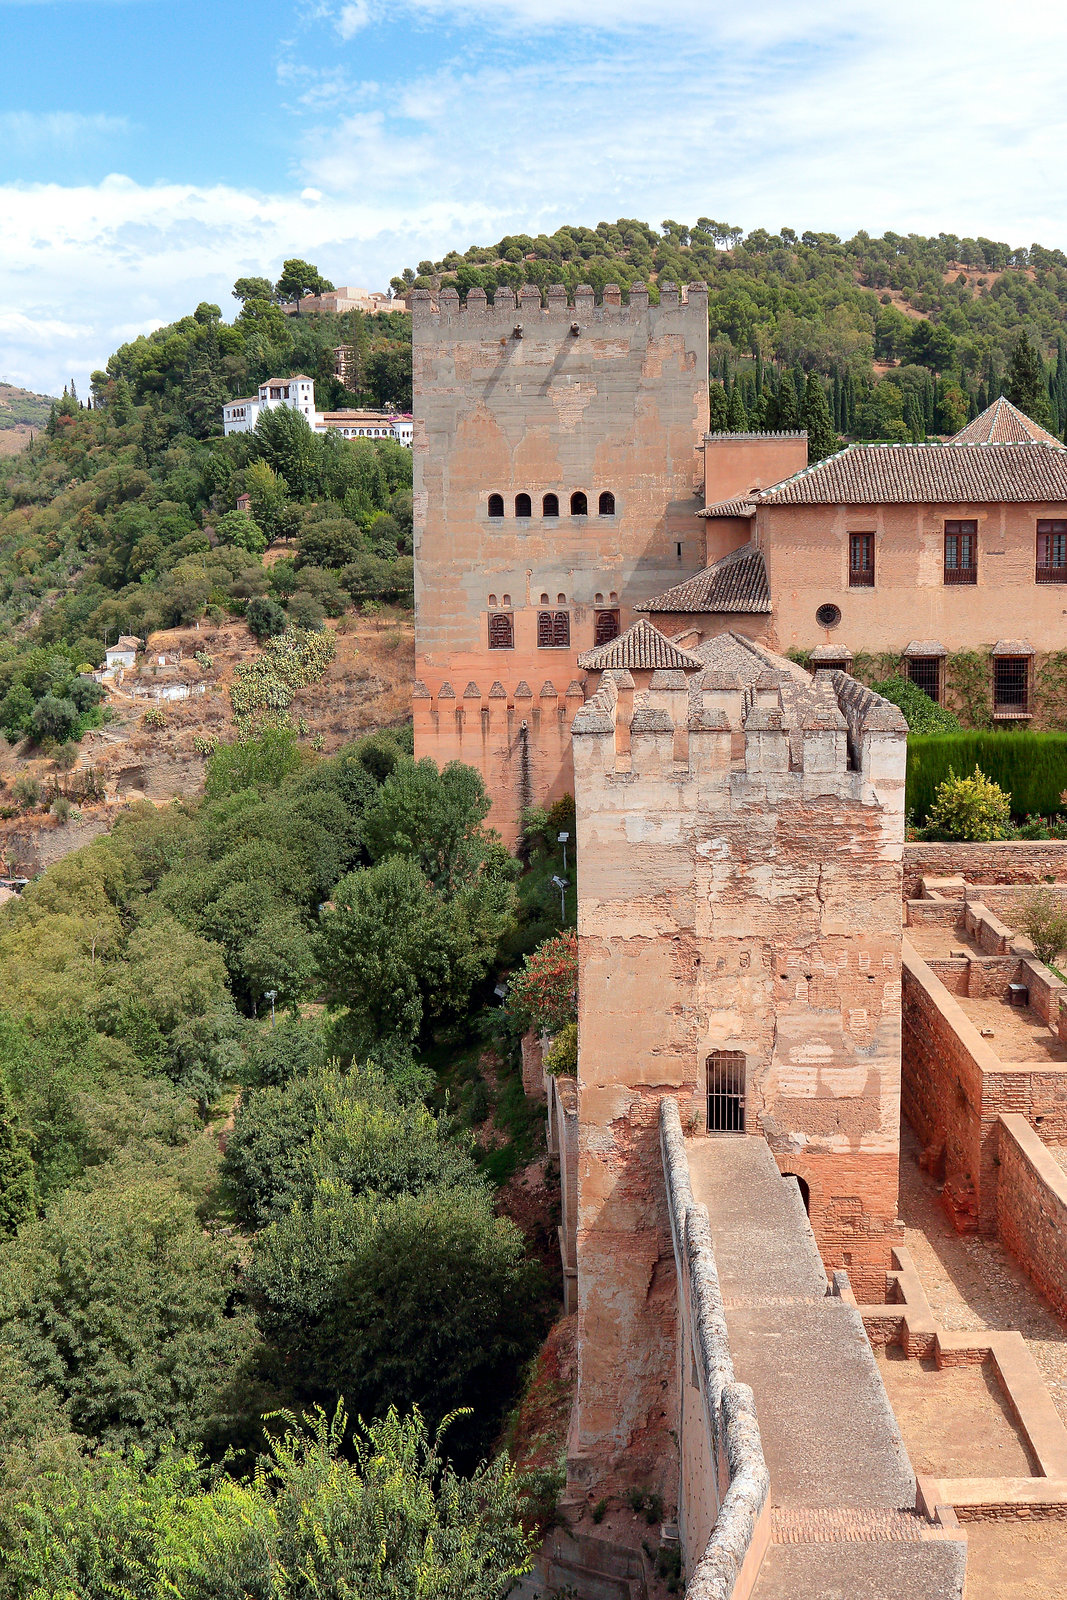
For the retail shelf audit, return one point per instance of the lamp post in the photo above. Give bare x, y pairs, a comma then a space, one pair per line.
562, 885
271, 995
562, 839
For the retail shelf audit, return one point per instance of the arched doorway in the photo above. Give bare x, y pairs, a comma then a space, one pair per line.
805, 1192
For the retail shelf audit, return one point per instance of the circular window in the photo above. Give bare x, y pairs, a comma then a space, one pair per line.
828, 616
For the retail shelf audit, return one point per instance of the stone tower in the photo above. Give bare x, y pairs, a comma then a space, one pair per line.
740, 830
557, 475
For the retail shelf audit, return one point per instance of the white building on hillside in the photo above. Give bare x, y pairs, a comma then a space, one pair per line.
298, 392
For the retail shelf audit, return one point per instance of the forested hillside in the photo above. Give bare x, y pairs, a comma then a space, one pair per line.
910, 336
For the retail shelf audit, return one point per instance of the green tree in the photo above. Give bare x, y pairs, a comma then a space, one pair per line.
332, 1128
432, 815
822, 440
253, 289
423, 1299
299, 278
121, 1307
237, 528
1027, 385
382, 1515
54, 718
388, 375
718, 409
265, 618
736, 414
18, 1190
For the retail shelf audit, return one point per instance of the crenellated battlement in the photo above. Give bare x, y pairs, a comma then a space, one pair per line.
516, 311
748, 718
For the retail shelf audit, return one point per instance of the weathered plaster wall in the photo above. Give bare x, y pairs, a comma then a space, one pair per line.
620, 405
807, 550
740, 891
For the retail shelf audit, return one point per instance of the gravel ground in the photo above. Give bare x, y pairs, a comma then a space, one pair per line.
975, 1283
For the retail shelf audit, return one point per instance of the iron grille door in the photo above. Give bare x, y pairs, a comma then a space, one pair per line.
726, 1091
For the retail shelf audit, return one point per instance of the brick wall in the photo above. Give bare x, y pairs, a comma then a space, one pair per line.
1015, 861
1032, 1208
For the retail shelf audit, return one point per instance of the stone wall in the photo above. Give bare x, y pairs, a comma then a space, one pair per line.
723, 1506
520, 397
1032, 1207
1011, 861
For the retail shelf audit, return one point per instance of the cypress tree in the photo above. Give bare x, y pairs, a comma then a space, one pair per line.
718, 409
737, 414
18, 1190
1027, 385
913, 417
787, 410
822, 440
836, 402
1059, 384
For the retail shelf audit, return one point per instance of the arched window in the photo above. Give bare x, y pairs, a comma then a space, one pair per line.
553, 629
550, 505
607, 626
561, 599
607, 504
544, 599
598, 599
726, 1091
506, 601
805, 1191
492, 599
496, 505
579, 504
523, 505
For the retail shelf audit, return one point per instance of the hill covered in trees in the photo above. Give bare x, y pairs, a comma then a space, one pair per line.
909, 336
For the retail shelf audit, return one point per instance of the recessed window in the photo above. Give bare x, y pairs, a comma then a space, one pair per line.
544, 600
607, 626
550, 505
961, 552
1011, 685
553, 629
501, 630
506, 600
561, 599
492, 599
598, 599
496, 505
606, 505
1052, 552
861, 560
523, 505
579, 504
925, 674
726, 1091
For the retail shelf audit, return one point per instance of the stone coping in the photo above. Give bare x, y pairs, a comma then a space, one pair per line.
731, 1559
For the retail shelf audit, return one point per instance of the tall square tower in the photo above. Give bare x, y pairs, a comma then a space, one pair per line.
557, 475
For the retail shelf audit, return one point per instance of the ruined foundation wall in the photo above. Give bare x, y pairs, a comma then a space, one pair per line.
1032, 1207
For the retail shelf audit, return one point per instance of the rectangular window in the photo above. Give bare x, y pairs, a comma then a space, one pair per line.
861, 560
501, 630
553, 629
925, 673
607, 627
961, 552
726, 1091
1011, 684
1052, 552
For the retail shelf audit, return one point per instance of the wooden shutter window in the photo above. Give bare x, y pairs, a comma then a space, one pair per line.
501, 630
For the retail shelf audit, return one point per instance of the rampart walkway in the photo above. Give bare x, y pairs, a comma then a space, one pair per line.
842, 1493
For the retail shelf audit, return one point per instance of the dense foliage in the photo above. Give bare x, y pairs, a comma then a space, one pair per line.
1030, 767
951, 322
158, 1295
974, 809
922, 714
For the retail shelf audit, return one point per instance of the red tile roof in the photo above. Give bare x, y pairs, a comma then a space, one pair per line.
1003, 423
925, 474
641, 646
741, 505
737, 582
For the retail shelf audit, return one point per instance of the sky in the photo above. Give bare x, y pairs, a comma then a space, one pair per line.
152, 151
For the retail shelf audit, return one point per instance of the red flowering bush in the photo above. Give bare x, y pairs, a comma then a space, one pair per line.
544, 995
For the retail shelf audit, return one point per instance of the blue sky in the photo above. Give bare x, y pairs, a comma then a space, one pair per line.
153, 150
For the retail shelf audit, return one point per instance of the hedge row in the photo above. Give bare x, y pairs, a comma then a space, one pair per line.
1031, 767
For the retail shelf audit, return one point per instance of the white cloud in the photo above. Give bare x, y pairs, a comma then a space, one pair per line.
34, 130
353, 16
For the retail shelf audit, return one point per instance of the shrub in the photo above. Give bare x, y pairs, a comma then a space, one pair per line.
544, 994
561, 1057
61, 808
86, 693
289, 662
1031, 767
922, 714
973, 809
205, 744
265, 618
26, 790
1043, 918
54, 718
155, 717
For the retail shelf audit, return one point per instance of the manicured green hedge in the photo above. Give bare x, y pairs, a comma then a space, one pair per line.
1032, 767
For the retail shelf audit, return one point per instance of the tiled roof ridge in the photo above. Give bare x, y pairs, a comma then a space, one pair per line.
976, 471
641, 646
736, 582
